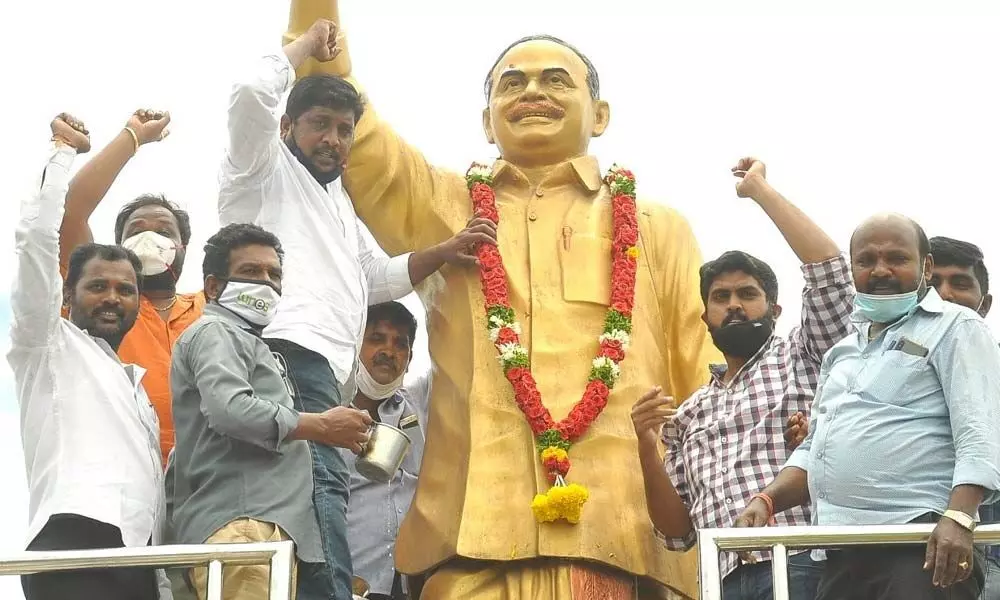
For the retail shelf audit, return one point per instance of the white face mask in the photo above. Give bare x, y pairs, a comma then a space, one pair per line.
373, 389
255, 301
156, 252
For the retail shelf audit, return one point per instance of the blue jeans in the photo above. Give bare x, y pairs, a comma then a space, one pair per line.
753, 582
316, 390
991, 589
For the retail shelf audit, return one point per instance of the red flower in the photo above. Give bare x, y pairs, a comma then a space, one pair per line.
613, 350
626, 235
515, 375
489, 257
482, 196
506, 335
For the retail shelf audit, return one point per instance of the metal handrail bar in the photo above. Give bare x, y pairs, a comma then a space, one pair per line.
280, 555
782, 539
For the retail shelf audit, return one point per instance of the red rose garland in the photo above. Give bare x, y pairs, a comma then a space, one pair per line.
563, 501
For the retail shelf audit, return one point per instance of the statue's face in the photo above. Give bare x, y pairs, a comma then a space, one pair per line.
540, 110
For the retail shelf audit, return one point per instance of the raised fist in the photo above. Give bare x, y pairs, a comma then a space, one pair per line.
325, 36
149, 125
752, 174
68, 130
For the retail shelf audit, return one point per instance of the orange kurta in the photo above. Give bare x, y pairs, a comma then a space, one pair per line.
149, 344
480, 468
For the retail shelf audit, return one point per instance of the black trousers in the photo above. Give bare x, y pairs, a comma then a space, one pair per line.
74, 532
893, 573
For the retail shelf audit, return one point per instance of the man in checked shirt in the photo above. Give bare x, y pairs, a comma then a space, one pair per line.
726, 442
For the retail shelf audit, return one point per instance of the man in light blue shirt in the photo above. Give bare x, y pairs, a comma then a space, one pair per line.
903, 428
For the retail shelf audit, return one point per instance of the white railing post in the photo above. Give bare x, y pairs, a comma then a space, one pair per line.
214, 581
282, 565
779, 572
708, 565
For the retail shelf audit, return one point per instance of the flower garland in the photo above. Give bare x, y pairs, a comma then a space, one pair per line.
562, 501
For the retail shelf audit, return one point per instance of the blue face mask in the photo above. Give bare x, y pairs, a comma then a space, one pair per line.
887, 308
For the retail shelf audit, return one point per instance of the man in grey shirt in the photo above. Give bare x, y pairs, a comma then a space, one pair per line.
241, 468
375, 510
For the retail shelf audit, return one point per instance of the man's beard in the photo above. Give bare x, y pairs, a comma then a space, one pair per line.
743, 339
322, 177
112, 334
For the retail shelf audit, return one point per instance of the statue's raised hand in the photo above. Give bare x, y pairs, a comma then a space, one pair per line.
325, 35
70, 131
149, 125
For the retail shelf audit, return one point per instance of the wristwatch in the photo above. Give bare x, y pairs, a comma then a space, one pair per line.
961, 518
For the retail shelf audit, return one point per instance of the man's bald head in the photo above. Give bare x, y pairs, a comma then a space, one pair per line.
895, 222
890, 254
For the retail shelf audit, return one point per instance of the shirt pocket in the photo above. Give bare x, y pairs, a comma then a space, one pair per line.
586, 269
890, 379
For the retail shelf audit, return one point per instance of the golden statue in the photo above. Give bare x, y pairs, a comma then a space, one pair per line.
470, 531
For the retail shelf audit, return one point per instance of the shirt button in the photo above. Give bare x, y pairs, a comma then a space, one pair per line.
399, 510
729, 500
864, 355
819, 454
539, 193
723, 440
725, 469
532, 216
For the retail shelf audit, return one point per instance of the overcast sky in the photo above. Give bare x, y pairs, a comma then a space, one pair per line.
855, 106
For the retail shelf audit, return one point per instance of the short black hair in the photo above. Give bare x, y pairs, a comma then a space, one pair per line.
328, 91
83, 254
183, 219
923, 244
736, 260
949, 252
593, 81
395, 314
233, 237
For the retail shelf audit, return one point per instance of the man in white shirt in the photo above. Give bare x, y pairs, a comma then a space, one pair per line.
284, 175
90, 435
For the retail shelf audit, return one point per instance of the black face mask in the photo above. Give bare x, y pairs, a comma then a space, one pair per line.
743, 340
321, 177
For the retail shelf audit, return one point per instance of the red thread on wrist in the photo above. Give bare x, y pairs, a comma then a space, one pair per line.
770, 506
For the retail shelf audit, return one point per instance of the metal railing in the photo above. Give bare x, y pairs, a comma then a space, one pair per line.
782, 539
280, 556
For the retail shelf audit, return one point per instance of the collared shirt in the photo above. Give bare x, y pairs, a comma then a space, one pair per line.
480, 470
376, 510
233, 415
727, 442
90, 435
149, 343
331, 273
902, 419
